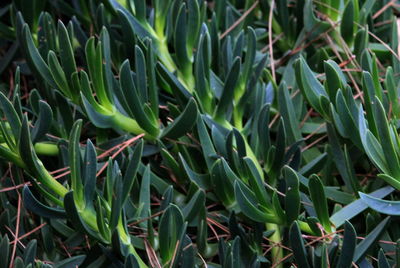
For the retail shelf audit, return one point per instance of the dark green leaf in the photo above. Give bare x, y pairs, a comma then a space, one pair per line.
249, 205
34, 205
382, 260
70, 262
183, 123
297, 243
292, 199
346, 30
30, 252
171, 224
5, 250
228, 91
35, 57
319, 201
356, 207
348, 247
43, 124
363, 247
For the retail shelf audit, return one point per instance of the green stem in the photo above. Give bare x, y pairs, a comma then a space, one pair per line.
126, 240
186, 78
8, 155
89, 218
275, 239
46, 148
130, 125
165, 56
237, 119
49, 181
253, 157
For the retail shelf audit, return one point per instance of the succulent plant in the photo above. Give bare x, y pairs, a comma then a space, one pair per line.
191, 133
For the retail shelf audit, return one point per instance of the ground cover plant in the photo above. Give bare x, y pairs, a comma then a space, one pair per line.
192, 133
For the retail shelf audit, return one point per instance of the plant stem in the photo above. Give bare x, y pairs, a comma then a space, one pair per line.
130, 125
46, 148
49, 181
237, 119
126, 240
275, 240
165, 56
7, 154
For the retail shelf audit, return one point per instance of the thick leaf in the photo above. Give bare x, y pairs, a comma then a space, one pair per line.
130, 173
363, 247
180, 37
43, 123
141, 75
97, 118
319, 201
66, 51
11, 115
346, 30
94, 59
76, 219
5, 250
144, 196
343, 162
390, 180
171, 224
58, 74
256, 182
386, 140
356, 207
137, 106
89, 171
34, 205
176, 86
223, 178
206, 143
292, 199
287, 111
30, 252
228, 91
309, 85
194, 206
131, 262
248, 204
348, 247
75, 159
114, 195
380, 205
334, 79
382, 260
35, 57
297, 243
183, 123
70, 262
371, 145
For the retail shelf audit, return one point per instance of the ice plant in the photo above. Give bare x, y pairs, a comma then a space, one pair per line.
188, 133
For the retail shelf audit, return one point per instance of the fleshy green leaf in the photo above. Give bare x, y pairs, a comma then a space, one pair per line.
34, 205
297, 243
183, 123
363, 247
319, 201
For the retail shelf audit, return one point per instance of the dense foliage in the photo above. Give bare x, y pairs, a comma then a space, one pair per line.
192, 133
